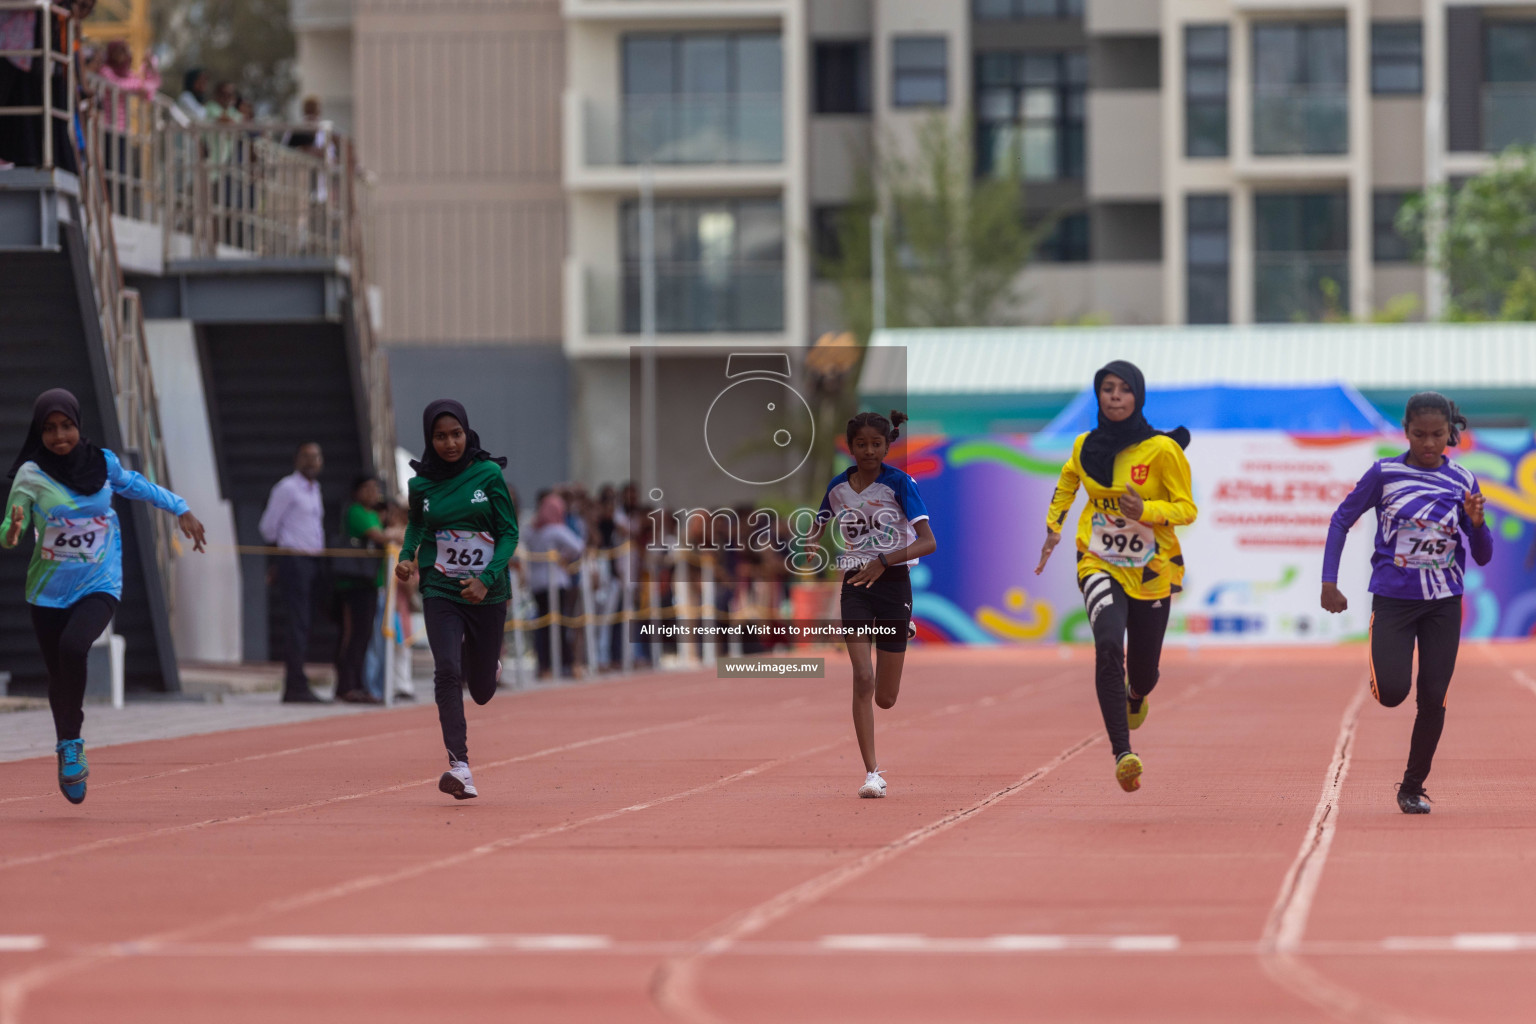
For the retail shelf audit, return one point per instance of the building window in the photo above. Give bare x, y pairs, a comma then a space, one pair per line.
827, 236
1208, 258
1205, 90
1067, 242
1014, 10
1397, 57
703, 98
1029, 113
842, 78
1509, 92
1387, 243
1300, 94
921, 69
1301, 256
719, 265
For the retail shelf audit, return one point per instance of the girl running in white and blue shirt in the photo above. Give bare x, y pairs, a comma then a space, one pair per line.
882, 529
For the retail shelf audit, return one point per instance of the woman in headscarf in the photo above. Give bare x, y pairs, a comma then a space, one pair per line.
1128, 560
62, 487
461, 531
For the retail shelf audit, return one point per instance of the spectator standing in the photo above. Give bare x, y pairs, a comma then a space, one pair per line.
193, 100
551, 545
120, 157
359, 581
294, 520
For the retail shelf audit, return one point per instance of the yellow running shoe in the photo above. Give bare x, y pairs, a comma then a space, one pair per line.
1128, 772
1132, 715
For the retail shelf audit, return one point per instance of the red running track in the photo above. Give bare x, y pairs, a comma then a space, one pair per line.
690, 849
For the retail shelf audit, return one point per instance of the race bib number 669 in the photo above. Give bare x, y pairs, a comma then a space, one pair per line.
76, 540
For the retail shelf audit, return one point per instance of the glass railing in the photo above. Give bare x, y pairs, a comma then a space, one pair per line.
691, 298
1509, 115
740, 128
1298, 120
1292, 286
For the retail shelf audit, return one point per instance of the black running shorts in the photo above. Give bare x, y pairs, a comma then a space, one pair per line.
887, 602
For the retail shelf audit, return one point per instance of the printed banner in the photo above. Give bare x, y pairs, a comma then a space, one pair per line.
1254, 556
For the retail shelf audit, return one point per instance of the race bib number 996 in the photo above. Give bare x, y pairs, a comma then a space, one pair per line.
76, 540
1122, 542
462, 554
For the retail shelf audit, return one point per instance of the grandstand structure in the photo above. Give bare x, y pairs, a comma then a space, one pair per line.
204, 289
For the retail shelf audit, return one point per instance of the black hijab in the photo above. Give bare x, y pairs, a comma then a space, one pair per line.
1109, 438
84, 469
431, 464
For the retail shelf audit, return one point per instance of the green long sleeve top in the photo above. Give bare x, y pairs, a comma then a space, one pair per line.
460, 528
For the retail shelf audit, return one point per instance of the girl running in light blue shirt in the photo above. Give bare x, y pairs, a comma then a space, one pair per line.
62, 487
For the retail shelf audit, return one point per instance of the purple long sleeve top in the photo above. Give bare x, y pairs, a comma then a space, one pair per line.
1419, 522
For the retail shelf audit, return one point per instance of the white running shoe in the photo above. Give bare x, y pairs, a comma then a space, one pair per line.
457, 782
874, 785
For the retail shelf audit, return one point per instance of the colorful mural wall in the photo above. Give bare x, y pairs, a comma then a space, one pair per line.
1254, 556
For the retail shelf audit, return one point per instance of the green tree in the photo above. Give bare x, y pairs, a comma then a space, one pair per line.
1487, 246
247, 42
954, 247
954, 244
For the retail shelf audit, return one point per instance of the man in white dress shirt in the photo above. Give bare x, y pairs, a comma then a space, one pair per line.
295, 520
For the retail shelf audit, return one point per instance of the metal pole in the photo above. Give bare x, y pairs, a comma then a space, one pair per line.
519, 671
588, 613
653, 590
877, 271
649, 481
708, 648
631, 562
391, 559
556, 637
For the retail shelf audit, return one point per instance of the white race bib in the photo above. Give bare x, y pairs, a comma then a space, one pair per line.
1423, 544
76, 540
1122, 542
462, 554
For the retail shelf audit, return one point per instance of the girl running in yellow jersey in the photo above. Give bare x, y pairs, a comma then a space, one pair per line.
1128, 561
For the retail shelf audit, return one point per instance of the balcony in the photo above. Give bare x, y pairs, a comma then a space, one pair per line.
745, 128
691, 298
1300, 121
1290, 286
671, 10
1509, 115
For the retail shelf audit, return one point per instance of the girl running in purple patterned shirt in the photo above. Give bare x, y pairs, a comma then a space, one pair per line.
1424, 502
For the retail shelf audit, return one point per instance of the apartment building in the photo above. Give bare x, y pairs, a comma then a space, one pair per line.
455, 106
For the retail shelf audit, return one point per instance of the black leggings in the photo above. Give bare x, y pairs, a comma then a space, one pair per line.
466, 647
1128, 644
355, 608
65, 636
1395, 624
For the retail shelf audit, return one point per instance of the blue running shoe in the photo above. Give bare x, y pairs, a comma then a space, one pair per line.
73, 770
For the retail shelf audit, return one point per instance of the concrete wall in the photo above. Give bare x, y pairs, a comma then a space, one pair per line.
206, 619
517, 398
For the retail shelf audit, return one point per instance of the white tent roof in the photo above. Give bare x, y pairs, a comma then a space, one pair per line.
1004, 360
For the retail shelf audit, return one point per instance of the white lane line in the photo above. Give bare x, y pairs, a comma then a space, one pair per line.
15, 990
1288, 918
998, 943
1281, 944
21, 943
428, 943
674, 986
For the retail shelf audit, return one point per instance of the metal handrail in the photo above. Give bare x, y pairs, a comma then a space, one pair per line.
215, 190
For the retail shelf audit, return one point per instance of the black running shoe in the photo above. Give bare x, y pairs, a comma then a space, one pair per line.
1412, 801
